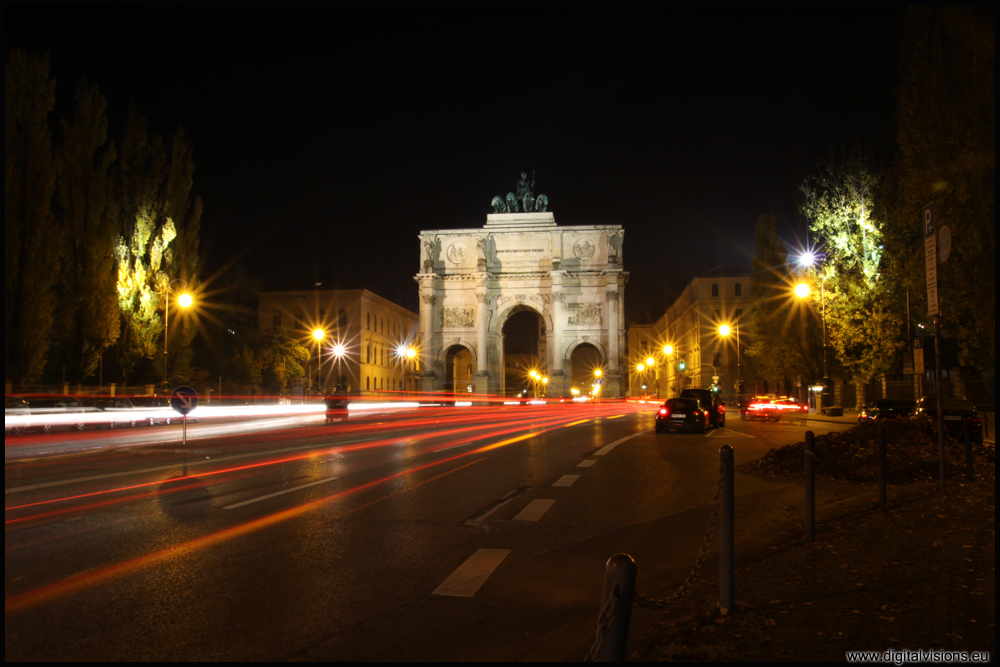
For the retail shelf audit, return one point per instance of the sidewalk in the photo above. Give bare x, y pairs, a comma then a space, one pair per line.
917, 574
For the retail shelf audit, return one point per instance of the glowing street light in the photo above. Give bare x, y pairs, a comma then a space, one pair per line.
649, 362
410, 353
802, 290
597, 373
725, 330
668, 350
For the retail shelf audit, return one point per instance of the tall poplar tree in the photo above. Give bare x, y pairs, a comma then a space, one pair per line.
88, 308
32, 253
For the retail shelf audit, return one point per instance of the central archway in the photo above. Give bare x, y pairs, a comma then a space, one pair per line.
524, 351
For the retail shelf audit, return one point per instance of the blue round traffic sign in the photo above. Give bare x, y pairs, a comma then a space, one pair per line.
184, 399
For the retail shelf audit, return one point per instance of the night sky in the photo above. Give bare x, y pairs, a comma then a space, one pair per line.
325, 141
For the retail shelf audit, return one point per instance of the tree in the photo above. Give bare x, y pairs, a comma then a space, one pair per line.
947, 154
862, 307
89, 318
31, 257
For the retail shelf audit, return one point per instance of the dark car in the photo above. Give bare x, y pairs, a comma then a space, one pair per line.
955, 411
683, 414
336, 408
711, 402
764, 408
886, 408
17, 414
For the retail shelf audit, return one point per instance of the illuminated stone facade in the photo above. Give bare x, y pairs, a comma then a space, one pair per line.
472, 280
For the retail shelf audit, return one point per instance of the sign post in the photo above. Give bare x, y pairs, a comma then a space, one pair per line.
930, 259
184, 399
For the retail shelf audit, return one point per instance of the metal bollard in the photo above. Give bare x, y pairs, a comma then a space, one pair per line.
967, 432
727, 555
810, 460
881, 463
618, 573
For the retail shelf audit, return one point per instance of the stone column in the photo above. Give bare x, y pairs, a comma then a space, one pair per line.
481, 381
613, 377
427, 374
559, 380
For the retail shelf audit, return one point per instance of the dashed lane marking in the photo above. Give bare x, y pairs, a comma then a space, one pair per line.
472, 574
607, 448
566, 480
534, 510
586, 464
279, 493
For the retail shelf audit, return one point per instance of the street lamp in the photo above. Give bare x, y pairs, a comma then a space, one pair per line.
184, 301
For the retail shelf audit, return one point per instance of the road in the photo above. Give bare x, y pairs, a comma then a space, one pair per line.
430, 534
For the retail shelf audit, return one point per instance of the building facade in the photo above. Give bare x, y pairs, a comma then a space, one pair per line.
364, 342
689, 334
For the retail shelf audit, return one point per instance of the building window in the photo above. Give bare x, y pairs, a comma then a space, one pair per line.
739, 289
715, 289
368, 384
342, 318
276, 320
369, 356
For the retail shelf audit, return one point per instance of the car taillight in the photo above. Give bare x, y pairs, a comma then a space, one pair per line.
663, 411
976, 420
722, 409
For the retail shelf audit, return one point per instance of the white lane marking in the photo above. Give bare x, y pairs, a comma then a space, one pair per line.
279, 493
233, 457
586, 464
727, 433
566, 480
472, 574
534, 510
607, 448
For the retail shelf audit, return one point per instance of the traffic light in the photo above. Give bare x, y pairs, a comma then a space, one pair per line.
682, 365
716, 388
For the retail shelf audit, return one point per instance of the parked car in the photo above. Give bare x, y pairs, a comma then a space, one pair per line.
711, 402
16, 414
51, 411
154, 410
886, 408
118, 411
955, 411
683, 414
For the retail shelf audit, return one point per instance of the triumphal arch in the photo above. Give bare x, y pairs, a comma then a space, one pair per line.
473, 280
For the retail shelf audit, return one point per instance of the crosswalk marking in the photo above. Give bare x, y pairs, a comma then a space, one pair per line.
534, 510
472, 574
566, 480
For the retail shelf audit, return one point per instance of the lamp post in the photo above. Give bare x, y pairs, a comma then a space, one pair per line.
725, 330
338, 352
184, 301
318, 335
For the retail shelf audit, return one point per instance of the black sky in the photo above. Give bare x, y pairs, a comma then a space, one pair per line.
326, 140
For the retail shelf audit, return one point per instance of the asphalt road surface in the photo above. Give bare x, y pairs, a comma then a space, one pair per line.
426, 534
